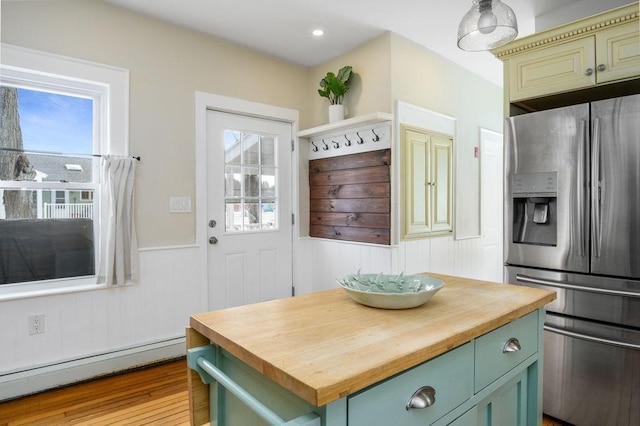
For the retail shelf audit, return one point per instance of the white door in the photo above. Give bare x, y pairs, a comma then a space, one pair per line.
249, 209
491, 189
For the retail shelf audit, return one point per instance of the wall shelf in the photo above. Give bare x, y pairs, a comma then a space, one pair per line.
349, 123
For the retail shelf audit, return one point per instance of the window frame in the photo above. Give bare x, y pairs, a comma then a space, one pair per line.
108, 87
243, 199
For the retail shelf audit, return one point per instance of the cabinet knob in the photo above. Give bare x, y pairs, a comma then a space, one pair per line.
512, 345
422, 398
601, 67
589, 71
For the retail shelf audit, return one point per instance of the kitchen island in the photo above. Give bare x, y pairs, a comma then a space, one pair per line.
470, 355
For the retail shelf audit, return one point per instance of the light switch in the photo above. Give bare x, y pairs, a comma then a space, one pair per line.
180, 205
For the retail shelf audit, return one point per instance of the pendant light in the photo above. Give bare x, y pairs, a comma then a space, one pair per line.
489, 24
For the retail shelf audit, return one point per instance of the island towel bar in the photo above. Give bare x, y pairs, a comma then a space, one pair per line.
196, 358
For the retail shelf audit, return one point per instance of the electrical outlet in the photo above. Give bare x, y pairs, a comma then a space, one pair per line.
36, 324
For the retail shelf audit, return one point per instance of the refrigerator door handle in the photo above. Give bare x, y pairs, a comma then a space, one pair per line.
567, 286
581, 182
590, 338
596, 240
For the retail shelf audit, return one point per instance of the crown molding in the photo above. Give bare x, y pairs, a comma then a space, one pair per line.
581, 28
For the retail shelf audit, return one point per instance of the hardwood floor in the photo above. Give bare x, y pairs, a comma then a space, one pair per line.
151, 396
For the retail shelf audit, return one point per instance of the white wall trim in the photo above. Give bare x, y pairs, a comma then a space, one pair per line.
209, 101
165, 248
37, 379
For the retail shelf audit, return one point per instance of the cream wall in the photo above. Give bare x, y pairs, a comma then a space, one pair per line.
167, 65
425, 79
369, 87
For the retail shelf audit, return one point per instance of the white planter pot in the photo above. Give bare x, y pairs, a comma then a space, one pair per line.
336, 113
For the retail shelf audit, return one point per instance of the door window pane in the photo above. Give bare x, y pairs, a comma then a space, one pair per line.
251, 148
251, 182
268, 182
232, 182
232, 147
268, 151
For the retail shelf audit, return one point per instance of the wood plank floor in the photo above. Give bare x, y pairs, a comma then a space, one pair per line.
151, 396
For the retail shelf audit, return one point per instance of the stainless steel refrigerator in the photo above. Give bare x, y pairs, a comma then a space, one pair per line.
572, 224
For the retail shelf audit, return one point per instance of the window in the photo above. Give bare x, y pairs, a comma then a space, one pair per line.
63, 112
250, 181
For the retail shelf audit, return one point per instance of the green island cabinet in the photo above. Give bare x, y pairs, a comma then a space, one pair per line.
469, 356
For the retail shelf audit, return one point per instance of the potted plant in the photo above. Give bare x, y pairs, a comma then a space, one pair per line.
333, 87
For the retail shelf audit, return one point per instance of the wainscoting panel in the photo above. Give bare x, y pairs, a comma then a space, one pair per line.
97, 323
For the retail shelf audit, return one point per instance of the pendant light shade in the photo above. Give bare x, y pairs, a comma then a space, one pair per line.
489, 24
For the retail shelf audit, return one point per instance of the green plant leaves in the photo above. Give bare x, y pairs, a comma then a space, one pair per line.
334, 87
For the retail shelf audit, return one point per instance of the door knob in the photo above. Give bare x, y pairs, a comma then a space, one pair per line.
601, 67
589, 71
212, 223
213, 240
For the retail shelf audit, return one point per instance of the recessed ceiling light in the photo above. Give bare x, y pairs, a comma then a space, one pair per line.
317, 33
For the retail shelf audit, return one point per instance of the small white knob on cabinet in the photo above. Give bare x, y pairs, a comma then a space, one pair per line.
589, 71
601, 67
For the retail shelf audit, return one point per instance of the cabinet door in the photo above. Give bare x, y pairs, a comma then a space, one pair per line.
417, 203
554, 69
428, 182
618, 52
440, 182
507, 406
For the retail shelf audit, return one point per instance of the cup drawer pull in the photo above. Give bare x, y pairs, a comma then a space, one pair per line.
422, 398
512, 345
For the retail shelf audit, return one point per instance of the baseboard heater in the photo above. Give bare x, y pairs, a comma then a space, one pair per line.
37, 379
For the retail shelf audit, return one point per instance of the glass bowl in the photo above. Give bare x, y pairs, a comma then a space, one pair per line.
390, 291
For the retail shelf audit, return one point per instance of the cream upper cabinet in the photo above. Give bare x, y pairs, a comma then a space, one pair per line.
618, 52
555, 69
428, 182
598, 50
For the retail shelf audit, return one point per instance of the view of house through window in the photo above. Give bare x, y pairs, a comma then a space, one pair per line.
47, 180
250, 181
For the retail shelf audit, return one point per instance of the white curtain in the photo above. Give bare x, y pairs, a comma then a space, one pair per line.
118, 251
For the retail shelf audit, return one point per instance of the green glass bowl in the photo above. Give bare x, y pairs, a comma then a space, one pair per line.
390, 291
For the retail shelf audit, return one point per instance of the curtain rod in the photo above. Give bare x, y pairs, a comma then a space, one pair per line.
62, 154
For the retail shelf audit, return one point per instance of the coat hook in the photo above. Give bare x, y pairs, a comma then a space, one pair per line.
315, 148
348, 142
325, 147
376, 137
360, 141
336, 145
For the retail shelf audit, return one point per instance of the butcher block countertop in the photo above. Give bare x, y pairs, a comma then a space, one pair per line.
324, 346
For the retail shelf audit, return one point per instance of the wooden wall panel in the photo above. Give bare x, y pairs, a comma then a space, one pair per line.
348, 205
350, 197
363, 190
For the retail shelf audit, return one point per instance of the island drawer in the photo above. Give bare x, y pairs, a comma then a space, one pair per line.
449, 375
502, 349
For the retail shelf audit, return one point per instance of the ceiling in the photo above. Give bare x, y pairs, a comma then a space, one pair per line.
282, 28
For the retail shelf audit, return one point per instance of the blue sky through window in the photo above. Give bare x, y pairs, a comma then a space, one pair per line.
54, 122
